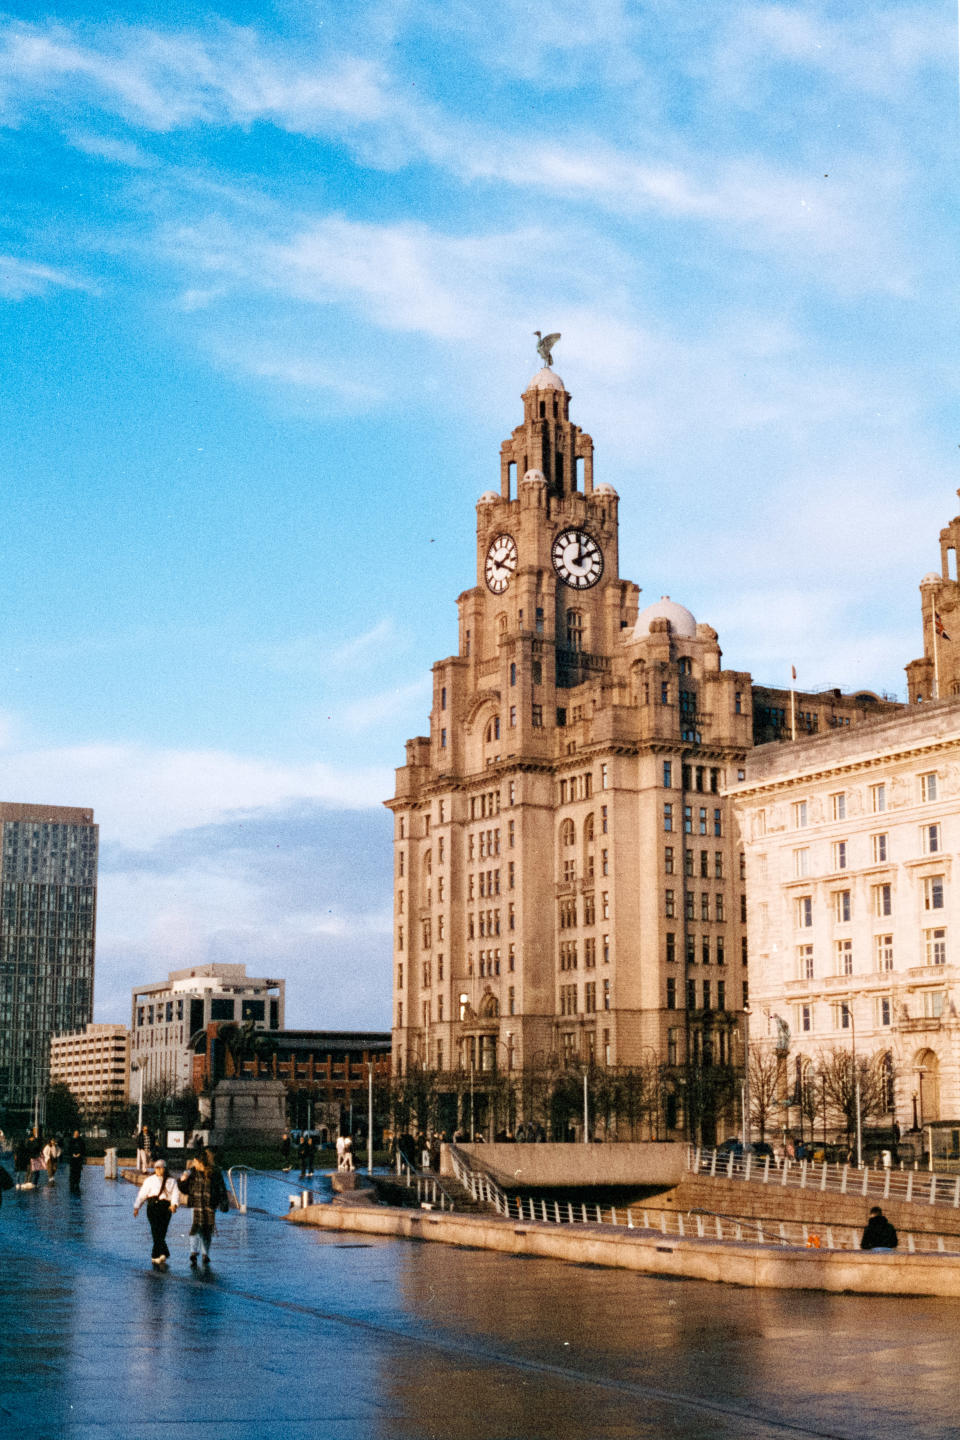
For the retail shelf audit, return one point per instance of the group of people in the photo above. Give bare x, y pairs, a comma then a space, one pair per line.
201, 1187
35, 1156
307, 1152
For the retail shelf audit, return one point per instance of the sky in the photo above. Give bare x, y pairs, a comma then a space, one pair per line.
268, 281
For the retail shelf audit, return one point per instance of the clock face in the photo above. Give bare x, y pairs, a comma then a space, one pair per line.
500, 564
577, 559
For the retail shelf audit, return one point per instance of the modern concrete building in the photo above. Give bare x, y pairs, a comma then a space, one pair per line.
167, 1018
48, 906
94, 1064
854, 909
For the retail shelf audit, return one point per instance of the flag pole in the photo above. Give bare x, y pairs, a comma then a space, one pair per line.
793, 702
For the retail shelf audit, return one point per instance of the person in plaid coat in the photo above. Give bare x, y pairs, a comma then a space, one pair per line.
203, 1186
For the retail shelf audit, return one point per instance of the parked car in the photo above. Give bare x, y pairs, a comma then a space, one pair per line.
735, 1147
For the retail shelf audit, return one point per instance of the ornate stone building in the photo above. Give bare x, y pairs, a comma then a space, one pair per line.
854, 909
568, 886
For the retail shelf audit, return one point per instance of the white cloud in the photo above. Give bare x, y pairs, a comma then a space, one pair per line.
119, 152
140, 795
388, 705
23, 279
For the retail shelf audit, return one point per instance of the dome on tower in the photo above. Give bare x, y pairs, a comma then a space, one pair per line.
604, 489
489, 497
931, 578
545, 379
534, 477
682, 622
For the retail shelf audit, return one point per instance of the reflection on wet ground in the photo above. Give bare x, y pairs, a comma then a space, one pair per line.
300, 1333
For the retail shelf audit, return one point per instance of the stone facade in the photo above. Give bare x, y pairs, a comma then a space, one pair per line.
854, 909
937, 673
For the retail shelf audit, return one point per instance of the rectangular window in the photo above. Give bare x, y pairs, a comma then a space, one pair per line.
688, 862
668, 817
513, 717
704, 907
718, 865
839, 805
536, 718
688, 819
801, 863
840, 855
671, 992
933, 892
603, 777
668, 860
669, 906
671, 946
717, 824
806, 1018
706, 995
800, 815
691, 994
803, 912
884, 1010
721, 995
933, 1004
928, 786
604, 820
879, 843
590, 997
688, 901
705, 950
878, 799
704, 865
690, 948
844, 953
935, 946
804, 962
842, 906
883, 946
718, 906
843, 1016
721, 958
604, 862
883, 900
930, 839
667, 775
703, 820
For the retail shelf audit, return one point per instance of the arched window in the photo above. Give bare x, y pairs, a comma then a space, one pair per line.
493, 729
568, 833
575, 629
588, 828
501, 624
489, 1007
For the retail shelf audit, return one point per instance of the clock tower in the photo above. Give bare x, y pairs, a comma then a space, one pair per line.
566, 883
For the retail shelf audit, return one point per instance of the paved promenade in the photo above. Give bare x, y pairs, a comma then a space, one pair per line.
301, 1333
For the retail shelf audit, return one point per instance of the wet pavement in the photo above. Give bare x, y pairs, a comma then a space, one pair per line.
304, 1333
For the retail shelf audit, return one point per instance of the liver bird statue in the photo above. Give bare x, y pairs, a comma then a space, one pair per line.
545, 344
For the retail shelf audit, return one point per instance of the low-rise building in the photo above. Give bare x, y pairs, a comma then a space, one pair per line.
853, 906
94, 1064
168, 1016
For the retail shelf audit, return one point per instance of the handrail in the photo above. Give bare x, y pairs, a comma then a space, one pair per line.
909, 1186
240, 1194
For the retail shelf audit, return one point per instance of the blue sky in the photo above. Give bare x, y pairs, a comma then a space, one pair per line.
268, 277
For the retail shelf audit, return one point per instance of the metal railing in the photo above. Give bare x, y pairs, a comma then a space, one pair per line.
429, 1189
236, 1179
697, 1223
912, 1186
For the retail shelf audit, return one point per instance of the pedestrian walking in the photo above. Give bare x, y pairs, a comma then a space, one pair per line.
202, 1187
162, 1197
51, 1159
306, 1150
144, 1150
76, 1159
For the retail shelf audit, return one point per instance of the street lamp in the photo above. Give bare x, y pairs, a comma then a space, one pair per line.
745, 1087
848, 1007
138, 1066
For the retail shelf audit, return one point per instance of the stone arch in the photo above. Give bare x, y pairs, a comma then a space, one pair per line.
568, 832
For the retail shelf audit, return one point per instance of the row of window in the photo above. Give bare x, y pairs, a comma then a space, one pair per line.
693, 777
839, 1014
707, 948
701, 994
689, 905
567, 910
568, 953
934, 953
881, 900
927, 789
689, 867
702, 820
569, 997
930, 838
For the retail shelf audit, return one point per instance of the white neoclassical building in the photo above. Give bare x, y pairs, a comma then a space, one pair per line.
850, 841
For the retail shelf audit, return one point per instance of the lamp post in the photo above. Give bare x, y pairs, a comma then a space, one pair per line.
137, 1065
745, 1089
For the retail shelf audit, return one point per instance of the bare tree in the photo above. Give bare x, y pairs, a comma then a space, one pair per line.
766, 1068
839, 1075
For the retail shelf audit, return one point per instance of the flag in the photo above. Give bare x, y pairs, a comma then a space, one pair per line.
793, 672
941, 633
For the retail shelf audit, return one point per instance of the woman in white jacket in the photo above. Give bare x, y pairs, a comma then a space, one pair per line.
162, 1197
